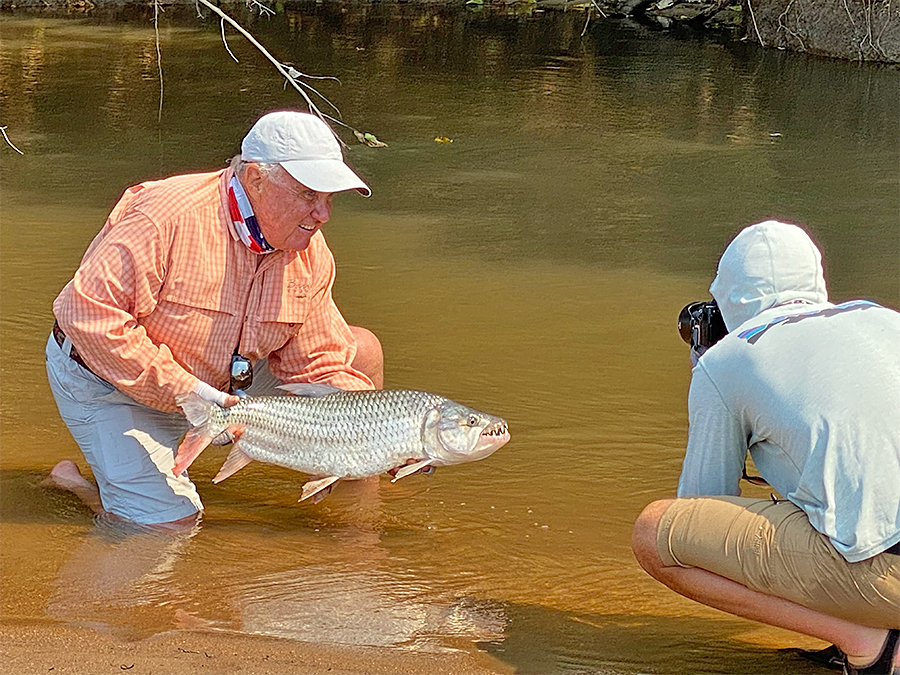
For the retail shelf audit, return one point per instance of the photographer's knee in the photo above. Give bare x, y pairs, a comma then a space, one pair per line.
643, 536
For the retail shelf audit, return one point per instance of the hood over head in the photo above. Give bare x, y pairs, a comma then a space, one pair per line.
767, 264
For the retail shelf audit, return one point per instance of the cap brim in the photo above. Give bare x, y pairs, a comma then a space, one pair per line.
326, 175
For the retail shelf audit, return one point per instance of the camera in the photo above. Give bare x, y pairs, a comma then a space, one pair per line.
700, 324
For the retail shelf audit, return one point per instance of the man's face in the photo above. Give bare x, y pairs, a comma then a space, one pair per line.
288, 212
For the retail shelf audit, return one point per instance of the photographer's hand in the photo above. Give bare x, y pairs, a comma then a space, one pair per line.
696, 354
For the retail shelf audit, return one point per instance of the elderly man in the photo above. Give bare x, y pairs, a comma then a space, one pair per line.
812, 391
201, 283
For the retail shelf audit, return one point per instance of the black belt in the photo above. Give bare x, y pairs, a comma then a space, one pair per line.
60, 338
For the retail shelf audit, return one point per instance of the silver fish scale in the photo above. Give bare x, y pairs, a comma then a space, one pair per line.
350, 434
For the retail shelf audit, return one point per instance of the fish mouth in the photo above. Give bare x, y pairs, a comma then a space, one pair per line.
495, 430
492, 437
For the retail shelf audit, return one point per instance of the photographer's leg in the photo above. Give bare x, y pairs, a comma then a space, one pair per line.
860, 643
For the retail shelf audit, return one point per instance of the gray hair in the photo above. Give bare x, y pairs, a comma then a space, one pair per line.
269, 170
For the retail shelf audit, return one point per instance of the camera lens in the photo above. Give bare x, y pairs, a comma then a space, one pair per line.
685, 321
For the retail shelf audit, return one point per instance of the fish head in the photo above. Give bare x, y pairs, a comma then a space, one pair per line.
455, 433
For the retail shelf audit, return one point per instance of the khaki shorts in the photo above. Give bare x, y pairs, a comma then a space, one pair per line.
772, 548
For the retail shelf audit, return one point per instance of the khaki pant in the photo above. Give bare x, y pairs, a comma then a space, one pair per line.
772, 548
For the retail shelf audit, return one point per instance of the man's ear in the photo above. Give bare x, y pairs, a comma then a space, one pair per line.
252, 178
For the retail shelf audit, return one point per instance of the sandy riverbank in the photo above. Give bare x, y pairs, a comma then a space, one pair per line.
32, 647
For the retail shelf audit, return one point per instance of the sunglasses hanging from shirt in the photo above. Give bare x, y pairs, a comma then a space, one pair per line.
241, 373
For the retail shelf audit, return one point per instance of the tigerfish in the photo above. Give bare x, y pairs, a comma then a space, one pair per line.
332, 434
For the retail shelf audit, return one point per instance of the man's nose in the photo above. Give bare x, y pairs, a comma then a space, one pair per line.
322, 208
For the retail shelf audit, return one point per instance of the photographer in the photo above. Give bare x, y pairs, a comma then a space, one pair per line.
812, 391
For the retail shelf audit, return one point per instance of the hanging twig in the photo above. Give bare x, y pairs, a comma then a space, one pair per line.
753, 17
597, 7
296, 75
782, 25
852, 22
156, 9
6, 138
225, 42
263, 10
587, 20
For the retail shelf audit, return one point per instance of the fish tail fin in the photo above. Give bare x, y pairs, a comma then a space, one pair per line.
203, 429
237, 459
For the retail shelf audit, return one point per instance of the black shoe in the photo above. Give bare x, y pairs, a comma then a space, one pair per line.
883, 663
830, 657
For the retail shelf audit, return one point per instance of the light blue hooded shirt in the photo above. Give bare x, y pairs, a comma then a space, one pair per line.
810, 389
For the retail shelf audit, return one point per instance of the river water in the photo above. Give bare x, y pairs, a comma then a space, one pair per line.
532, 268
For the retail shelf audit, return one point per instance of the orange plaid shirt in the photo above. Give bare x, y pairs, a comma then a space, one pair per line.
166, 291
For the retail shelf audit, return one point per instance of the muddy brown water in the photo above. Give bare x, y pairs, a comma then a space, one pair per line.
533, 268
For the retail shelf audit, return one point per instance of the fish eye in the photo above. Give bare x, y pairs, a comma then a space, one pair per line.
473, 420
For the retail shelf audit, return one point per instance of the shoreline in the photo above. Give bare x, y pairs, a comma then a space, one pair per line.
41, 646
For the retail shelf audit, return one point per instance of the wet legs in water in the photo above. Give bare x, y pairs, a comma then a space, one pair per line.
67, 476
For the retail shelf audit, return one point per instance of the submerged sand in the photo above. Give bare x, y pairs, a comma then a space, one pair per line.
28, 647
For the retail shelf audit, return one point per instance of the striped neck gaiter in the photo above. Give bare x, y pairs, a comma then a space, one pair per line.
244, 220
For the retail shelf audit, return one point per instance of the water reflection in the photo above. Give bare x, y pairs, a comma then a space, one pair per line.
342, 587
121, 579
363, 606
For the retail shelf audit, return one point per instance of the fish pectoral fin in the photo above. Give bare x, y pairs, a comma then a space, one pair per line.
195, 442
411, 468
237, 459
310, 389
316, 486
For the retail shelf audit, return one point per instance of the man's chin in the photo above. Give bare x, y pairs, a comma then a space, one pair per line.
299, 243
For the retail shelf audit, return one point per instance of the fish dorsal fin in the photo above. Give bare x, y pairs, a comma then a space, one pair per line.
412, 468
313, 390
315, 486
235, 461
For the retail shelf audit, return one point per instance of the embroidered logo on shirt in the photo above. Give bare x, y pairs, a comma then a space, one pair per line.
297, 288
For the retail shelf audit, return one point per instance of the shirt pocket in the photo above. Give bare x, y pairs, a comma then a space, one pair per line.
204, 294
278, 323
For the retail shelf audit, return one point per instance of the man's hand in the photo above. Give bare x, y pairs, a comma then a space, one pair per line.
213, 395
227, 400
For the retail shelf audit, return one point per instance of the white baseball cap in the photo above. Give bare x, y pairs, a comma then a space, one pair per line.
306, 148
